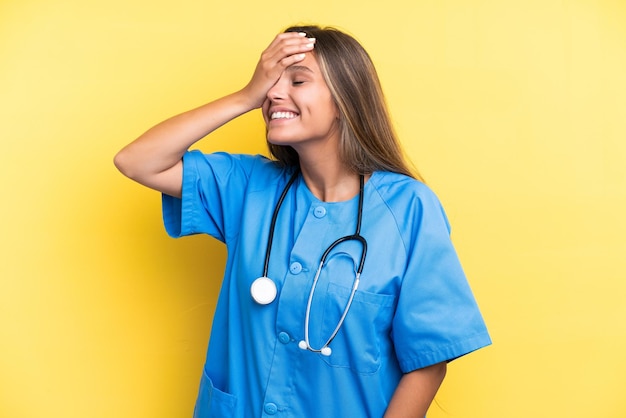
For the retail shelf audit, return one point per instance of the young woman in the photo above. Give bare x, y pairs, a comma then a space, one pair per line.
342, 294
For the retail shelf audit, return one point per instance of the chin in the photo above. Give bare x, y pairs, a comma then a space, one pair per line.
277, 140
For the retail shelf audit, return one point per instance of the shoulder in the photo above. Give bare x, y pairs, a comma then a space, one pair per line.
244, 161
413, 204
399, 190
226, 167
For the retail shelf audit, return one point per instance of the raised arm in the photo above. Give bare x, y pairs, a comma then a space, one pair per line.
155, 158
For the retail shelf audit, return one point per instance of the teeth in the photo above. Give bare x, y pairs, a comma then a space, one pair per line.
283, 115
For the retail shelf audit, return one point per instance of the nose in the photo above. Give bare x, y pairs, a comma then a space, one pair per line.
277, 91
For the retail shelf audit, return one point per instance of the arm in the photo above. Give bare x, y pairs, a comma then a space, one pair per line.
155, 158
415, 392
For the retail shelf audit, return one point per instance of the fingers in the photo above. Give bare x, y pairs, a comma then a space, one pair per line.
286, 49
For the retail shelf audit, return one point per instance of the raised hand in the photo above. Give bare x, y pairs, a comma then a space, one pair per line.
285, 50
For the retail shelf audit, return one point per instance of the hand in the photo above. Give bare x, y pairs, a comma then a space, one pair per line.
285, 50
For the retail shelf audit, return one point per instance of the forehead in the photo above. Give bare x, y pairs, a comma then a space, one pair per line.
308, 65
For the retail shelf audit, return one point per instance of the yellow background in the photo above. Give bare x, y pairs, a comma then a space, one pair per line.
514, 111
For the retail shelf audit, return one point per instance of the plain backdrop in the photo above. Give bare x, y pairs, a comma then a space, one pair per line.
513, 110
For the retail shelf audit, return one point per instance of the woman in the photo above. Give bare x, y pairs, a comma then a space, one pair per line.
342, 295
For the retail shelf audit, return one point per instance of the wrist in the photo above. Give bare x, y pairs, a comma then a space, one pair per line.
248, 99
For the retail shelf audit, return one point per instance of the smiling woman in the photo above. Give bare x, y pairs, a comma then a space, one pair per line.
315, 318
300, 112
367, 140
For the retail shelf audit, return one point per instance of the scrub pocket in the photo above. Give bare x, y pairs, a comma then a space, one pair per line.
212, 402
364, 334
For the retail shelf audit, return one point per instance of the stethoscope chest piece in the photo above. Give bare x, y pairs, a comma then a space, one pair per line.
263, 290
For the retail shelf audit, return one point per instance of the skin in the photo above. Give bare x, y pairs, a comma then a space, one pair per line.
416, 391
287, 78
313, 131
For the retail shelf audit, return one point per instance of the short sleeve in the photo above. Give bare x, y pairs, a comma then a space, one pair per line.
212, 195
437, 318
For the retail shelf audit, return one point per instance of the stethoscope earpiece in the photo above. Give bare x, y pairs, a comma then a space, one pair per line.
325, 351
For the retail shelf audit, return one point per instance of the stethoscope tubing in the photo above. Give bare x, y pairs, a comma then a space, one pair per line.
305, 344
355, 286
270, 238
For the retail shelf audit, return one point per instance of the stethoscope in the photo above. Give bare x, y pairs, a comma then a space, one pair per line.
263, 289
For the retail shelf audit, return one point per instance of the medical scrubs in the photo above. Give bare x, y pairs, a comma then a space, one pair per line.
413, 307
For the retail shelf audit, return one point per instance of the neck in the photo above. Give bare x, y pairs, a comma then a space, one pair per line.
326, 176
330, 182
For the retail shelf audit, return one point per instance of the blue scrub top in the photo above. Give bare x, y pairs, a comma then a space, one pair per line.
413, 307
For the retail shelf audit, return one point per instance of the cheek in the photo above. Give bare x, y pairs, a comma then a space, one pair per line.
333, 110
333, 113
264, 109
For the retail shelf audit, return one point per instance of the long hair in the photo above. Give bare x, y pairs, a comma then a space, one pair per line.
368, 141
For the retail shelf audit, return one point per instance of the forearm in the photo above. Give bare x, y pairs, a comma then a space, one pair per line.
415, 392
163, 146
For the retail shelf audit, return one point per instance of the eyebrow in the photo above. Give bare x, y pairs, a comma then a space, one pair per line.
296, 68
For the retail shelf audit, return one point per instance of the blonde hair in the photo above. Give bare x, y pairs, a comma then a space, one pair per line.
368, 141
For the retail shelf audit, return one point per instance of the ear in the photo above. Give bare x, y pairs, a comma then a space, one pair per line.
337, 112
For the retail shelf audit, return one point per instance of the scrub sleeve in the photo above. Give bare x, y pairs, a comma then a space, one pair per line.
437, 318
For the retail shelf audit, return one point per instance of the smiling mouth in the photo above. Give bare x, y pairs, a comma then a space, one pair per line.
283, 115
